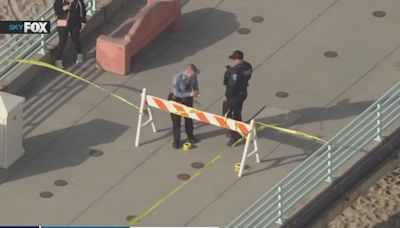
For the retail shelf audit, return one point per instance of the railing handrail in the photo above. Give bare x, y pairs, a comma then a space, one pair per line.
271, 207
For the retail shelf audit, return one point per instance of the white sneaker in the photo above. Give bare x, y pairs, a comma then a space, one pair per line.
59, 64
79, 59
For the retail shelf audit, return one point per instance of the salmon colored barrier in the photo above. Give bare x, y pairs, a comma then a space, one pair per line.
114, 52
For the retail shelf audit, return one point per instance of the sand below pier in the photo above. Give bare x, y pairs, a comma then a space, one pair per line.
379, 207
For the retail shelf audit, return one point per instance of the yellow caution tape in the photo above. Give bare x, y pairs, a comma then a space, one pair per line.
226, 118
150, 209
272, 126
193, 110
47, 65
292, 132
236, 168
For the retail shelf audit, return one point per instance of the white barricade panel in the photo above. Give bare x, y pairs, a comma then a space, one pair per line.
206, 117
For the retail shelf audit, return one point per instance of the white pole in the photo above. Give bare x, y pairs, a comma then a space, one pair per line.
244, 156
329, 178
255, 140
378, 124
43, 50
94, 6
249, 137
280, 219
139, 125
152, 121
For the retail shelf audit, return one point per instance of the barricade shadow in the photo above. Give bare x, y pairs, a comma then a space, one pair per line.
307, 146
343, 109
70, 147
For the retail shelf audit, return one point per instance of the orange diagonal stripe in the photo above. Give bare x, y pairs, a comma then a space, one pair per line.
221, 121
160, 104
180, 109
242, 127
202, 117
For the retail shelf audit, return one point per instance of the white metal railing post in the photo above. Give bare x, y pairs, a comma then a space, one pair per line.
43, 46
280, 214
329, 178
378, 123
94, 6
89, 8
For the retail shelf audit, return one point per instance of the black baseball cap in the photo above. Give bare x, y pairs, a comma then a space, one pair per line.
236, 55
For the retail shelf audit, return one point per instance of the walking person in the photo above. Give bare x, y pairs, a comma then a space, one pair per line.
184, 88
236, 80
71, 19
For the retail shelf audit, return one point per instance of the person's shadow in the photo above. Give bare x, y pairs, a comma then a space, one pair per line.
342, 109
78, 144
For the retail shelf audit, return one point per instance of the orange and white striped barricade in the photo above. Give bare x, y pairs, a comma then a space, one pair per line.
245, 129
141, 111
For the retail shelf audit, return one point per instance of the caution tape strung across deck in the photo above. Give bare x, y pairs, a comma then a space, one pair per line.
50, 66
186, 113
126, 101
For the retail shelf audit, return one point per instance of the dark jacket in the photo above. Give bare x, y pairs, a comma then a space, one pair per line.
237, 79
77, 11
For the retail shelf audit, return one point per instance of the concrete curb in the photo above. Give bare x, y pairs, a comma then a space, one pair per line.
26, 73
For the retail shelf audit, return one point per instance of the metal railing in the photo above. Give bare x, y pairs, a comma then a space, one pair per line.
321, 166
27, 45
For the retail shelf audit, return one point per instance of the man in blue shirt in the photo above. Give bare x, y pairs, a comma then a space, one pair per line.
184, 88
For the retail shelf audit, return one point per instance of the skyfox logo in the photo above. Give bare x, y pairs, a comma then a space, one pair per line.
36, 27
30, 27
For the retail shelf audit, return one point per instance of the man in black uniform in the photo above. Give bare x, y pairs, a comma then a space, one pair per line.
236, 80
